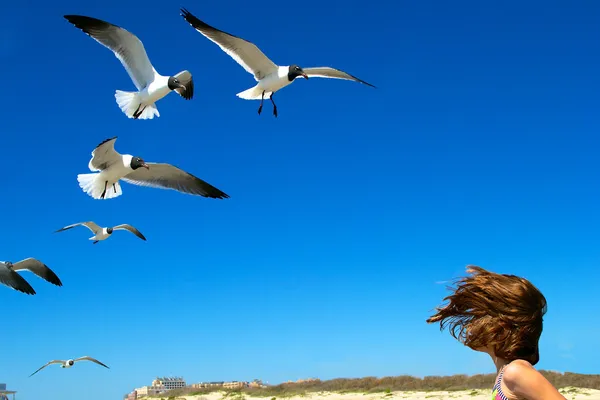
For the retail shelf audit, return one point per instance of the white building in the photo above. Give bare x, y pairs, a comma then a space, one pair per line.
145, 391
169, 383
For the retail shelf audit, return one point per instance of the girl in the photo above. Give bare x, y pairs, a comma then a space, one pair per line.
501, 315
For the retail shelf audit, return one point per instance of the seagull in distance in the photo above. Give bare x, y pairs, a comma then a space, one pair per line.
101, 233
151, 85
69, 363
270, 76
113, 166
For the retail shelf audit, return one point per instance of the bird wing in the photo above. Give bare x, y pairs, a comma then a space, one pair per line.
328, 72
88, 358
104, 155
13, 280
126, 46
92, 226
244, 52
44, 366
38, 268
166, 176
185, 78
127, 227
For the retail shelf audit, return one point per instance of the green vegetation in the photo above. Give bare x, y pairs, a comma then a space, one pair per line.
572, 391
387, 385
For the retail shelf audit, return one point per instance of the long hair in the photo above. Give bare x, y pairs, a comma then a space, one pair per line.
498, 311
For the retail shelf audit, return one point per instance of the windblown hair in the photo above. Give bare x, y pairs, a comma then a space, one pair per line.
495, 311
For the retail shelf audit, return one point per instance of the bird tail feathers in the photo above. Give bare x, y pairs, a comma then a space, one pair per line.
94, 187
254, 93
130, 104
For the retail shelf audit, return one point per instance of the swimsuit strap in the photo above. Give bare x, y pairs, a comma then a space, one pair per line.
497, 390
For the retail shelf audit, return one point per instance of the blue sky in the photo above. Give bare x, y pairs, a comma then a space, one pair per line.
479, 146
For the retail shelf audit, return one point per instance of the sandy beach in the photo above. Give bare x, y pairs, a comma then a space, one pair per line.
476, 394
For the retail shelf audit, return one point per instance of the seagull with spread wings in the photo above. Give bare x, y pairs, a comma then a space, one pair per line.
10, 278
270, 76
8, 272
151, 85
69, 363
103, 233
113, 167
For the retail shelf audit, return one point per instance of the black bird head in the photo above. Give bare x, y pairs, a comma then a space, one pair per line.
296, 71
109, 230
174, 83
137, 162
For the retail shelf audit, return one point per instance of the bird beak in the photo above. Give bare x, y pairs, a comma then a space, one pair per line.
304, 75
145, 166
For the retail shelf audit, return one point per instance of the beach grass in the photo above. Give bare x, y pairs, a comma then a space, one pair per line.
568, 383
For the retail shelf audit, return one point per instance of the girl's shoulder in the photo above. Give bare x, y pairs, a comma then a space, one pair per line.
513, 369
515, 374
508, 376
522, 380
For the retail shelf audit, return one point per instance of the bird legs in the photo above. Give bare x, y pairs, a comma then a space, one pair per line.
274, 106
105, 186
262, 99
96, 242
138, 112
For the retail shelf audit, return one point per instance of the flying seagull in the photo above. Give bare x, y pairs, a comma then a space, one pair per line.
10, 278
151, 85
113, 167
36, 267
270, 77
69, 363
103, 233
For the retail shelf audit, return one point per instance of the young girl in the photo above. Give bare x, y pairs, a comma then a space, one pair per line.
501, 315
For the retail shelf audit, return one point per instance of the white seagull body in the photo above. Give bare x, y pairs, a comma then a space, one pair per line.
69, 363
270, 76
11, 278
114, 167
103, 233
151, 85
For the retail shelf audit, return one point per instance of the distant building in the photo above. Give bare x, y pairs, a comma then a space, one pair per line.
204, 385
235, 385
131, 396
159, 386
4, 393
306, 380
169, 383
149, 391
256, 383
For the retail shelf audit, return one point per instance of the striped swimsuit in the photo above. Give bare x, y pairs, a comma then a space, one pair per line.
497, 390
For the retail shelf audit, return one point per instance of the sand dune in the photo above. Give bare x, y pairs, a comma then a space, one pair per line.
477, 394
